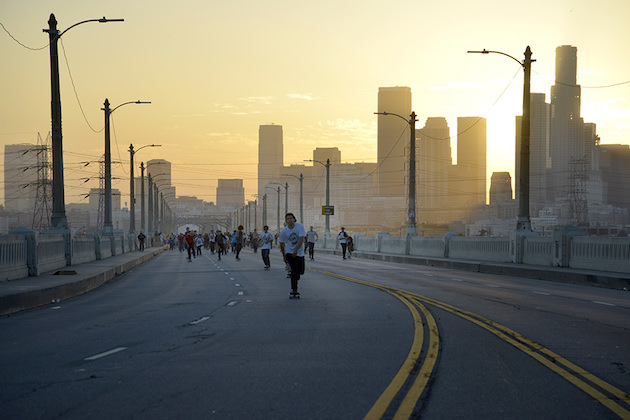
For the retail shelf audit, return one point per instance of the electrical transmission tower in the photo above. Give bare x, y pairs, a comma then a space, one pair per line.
578, 206
43, 195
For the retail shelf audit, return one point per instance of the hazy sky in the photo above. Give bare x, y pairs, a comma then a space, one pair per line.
214, 71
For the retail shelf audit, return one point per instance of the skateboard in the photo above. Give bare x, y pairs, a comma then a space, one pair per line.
294, 295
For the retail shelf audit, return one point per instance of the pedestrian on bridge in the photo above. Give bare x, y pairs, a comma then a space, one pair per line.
292, 246
141, 239
311, 238
266, 240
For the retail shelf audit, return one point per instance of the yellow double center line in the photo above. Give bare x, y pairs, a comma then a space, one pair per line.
611, 397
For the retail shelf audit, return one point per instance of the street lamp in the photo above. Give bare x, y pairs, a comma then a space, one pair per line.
411, 211
523, 223
327, 165
58, 219
301, 178
132, 197
108, 228
278, 209
264, 215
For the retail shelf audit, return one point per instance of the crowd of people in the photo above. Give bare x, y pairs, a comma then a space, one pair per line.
294, 241
223, 243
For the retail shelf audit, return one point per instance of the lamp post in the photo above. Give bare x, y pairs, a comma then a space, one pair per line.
108, 228
523, 223
411, 211
264, 215
58, 218
132, 197
142, 211
301, 178
150, 202
327, 165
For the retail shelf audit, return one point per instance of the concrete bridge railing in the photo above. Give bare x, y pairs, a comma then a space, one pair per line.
26, 253
569, 247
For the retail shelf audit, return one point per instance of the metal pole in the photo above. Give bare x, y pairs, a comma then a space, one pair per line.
524, 223
286, 197
411, 223
255, 214
132, 197
108, 228
264, 217
58, 218
150, 202
142, 226
278, 210
327, 231
301, 200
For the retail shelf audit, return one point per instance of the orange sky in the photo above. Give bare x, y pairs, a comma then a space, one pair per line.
215, 71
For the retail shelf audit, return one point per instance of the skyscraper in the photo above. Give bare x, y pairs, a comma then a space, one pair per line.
471, 159
567, 127
539, 153
270, 155
393, 139
230, 194
433, 168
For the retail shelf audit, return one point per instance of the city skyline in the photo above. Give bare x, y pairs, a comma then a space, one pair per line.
317, 76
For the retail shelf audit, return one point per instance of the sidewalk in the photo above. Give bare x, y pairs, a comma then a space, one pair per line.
30, 292
606, 279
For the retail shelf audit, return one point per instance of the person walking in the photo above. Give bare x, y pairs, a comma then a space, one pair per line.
220, 243
141, 239
266, 240
238, 241
343, 241
291, 241
190, 244
311, 238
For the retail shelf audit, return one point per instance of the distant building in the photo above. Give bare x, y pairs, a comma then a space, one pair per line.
567, 127
539, 152
471, 159
500, 188
270, 156
393, 139
434, 161
230, 194
614, 162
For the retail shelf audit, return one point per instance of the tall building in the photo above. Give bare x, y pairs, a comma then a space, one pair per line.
20, 177
500, 188
160, 170
393, 139
539, 152
230, 193
471, 159
433, 166
270, 155
614, 163
567, 127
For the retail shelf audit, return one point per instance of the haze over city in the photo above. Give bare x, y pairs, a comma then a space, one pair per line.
215, 72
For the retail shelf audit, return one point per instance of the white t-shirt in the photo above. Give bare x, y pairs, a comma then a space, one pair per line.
343, 237
291, 237
266, 236
311, 236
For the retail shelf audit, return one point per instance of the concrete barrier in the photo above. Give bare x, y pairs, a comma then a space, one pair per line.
538, 251
609, 254
485, 249
83, 249
13, 257
51, 252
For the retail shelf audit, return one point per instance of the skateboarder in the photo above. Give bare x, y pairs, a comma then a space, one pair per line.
292, 246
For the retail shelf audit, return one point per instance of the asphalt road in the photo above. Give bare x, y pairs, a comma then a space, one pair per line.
174, 339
